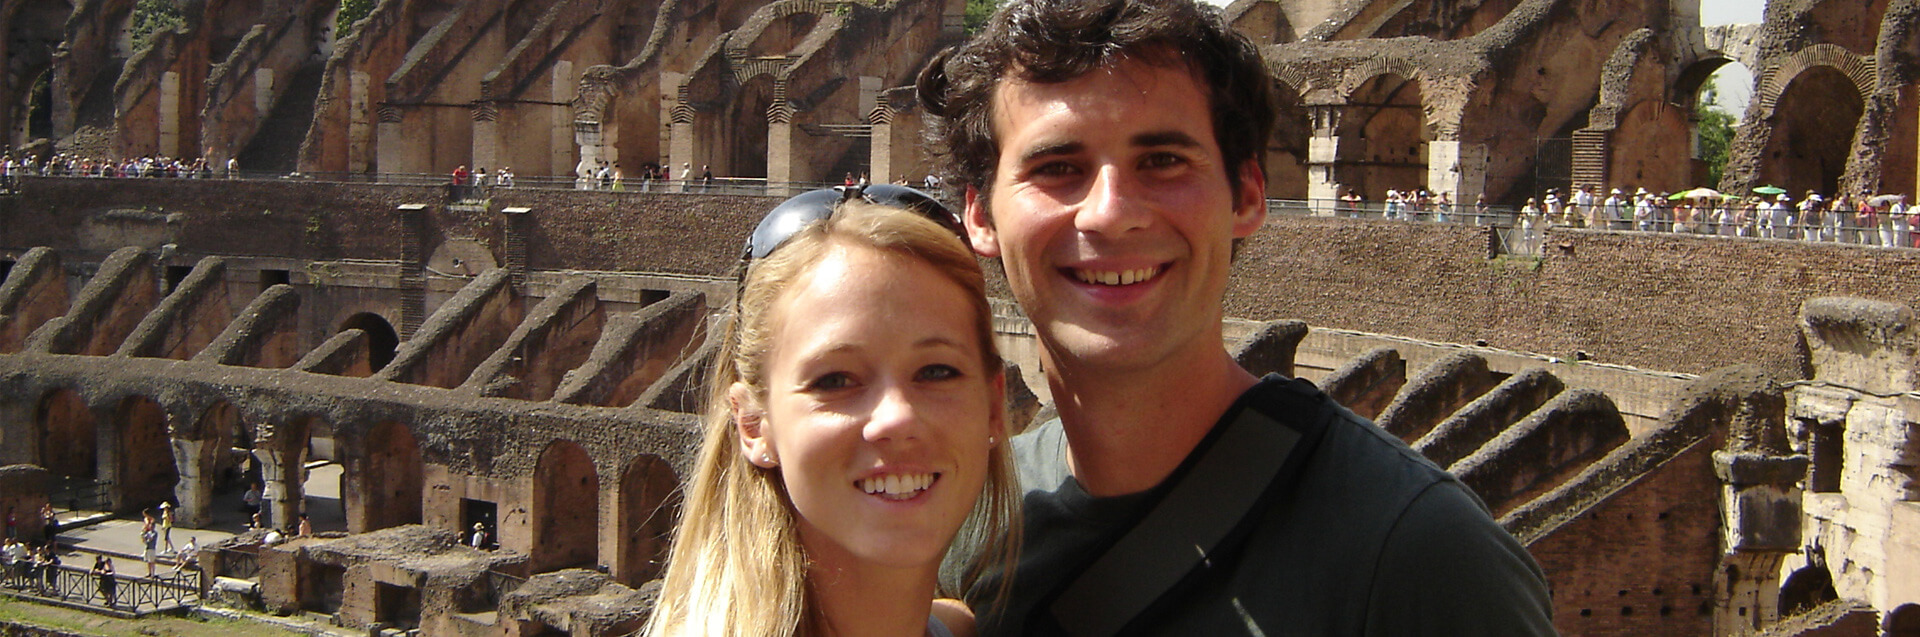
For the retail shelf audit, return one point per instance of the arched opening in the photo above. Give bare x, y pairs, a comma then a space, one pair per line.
1287, 146
1805, 589
566, 509
382, 340
1813, 129
1904, 621
1383, 138
390, 479
67, 436
744, 131
144, 470
649, 506
34, 33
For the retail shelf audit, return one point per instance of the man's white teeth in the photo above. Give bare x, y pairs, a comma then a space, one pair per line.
896, 486
1115, 277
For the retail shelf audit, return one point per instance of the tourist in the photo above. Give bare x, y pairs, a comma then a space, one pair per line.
48, 561
49, 523
166, 526
1552, 209
504, 178
1777, 220
854, 421
1900, 225
250, 501
1809, 221
1111, 154
479, 539
149, 541
305, 528
103, 575
1643, 211
1530, 227
189, 557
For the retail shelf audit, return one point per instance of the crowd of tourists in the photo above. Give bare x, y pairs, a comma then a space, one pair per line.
1769, 213
72, 165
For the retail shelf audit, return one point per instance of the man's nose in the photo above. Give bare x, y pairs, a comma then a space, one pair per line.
1113, 204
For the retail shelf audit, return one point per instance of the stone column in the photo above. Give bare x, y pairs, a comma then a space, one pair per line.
880, 144
390, 141
1760, 509
1323, 150
280, 473
780, 140
194, 491
680, 136
486, 136
1457, 169
170, 114
359, 124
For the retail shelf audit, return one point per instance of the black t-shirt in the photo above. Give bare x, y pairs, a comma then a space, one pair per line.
1359, 535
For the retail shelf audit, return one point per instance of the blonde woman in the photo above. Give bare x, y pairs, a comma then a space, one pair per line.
855, 429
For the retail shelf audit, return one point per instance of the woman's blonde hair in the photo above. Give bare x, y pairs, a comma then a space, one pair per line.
737, 567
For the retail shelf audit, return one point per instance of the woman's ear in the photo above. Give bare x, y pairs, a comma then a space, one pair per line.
749, 418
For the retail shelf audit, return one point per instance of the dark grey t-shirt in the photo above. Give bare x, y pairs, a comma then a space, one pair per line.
1359, 535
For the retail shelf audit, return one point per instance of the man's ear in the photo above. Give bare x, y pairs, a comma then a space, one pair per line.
749, 419
980, 224
1250, 202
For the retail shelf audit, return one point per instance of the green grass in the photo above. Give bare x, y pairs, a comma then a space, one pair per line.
14, 611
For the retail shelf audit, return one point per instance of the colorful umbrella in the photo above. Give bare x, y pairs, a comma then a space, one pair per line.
1884, 200
1697, 193
1770, 190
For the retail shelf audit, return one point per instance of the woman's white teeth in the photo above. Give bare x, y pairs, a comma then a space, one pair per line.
896, 486
1115, 277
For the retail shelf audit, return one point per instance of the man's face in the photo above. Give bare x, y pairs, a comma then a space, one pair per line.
1112, 213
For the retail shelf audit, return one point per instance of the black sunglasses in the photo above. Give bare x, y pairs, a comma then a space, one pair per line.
796, 213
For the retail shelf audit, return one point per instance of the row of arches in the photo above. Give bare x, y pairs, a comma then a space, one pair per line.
145, 455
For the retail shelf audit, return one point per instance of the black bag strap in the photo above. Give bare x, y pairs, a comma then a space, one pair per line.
1184, 528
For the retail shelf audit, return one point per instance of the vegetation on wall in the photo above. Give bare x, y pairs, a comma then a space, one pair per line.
351, 11
977, 12
153, 16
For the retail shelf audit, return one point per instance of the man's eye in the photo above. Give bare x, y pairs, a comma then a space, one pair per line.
831, 381
937, 373
1055, 169
1162, 160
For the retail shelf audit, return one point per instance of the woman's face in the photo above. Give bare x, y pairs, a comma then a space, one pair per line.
878, 409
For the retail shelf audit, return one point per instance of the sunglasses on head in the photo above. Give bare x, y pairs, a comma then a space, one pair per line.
794, 214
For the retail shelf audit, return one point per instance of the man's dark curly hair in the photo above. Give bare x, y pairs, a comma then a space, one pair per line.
1046, 41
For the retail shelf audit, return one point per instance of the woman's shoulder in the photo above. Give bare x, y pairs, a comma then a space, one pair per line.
954, 616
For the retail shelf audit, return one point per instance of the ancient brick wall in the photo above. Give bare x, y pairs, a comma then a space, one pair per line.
1658, 301
1640, 563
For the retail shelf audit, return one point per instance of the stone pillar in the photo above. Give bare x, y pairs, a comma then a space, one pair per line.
262, 92
281, 471
1457, 169
680, 129
1323, 150
1760, 512
880, 144
170, 114
486, 136
390, 142
359, 124
589, 138
194, 491
560, 143
780, 150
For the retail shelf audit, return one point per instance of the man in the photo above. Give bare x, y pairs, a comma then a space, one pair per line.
1109, 153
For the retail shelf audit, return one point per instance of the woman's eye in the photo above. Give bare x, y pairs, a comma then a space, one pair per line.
937, 373
831, 381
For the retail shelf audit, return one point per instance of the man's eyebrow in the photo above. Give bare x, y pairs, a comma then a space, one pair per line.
1054, 149
1166, 138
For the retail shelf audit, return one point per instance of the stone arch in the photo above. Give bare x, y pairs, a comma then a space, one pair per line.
1383, 136
1806, 588
1779, 76
566, 512
649, 504
1902, 621
385, 480
34, 31
382, 339
1815, 119
144, 471
66, 435
282, 450
740, 136
209, 463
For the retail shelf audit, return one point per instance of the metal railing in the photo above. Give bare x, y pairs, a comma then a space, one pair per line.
79, 494
500, 585
237, 563
111, 591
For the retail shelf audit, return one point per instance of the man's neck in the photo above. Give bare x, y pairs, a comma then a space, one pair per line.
1126, 432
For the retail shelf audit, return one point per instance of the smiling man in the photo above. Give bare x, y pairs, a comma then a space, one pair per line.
1110, 152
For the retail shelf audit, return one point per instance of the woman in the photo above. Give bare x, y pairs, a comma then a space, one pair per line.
854, 421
